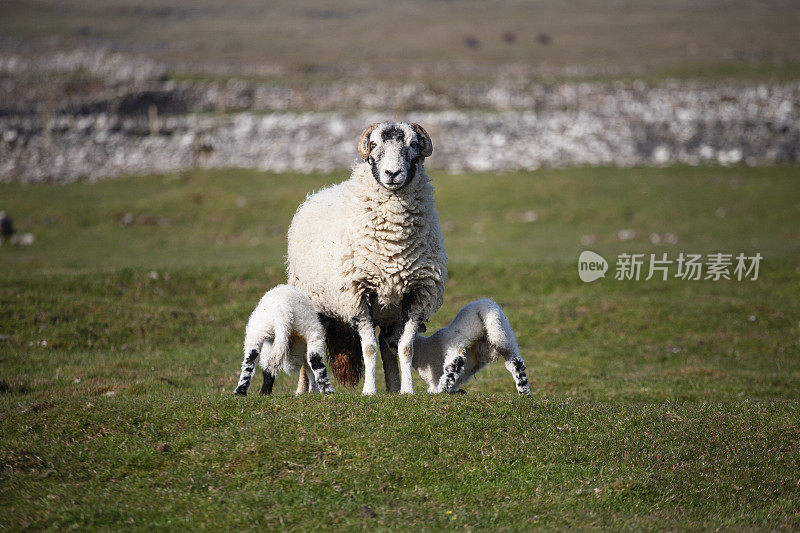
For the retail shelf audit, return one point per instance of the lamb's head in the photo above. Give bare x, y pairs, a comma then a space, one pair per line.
394, 150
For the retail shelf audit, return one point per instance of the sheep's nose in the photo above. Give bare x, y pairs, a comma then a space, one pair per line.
392, 173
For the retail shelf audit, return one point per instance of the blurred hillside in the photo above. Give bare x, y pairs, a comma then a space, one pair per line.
583, 37
91, 90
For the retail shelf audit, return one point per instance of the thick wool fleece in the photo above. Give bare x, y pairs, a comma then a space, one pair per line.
479, 334
357, 238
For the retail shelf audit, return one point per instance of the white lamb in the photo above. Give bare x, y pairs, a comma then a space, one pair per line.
369, 251
479, 334
284, 332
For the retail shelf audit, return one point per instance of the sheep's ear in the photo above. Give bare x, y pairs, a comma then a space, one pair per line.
363, 141
424, 139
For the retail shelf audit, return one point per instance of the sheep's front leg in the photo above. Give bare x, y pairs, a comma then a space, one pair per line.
405, 347
369, 345
405, 354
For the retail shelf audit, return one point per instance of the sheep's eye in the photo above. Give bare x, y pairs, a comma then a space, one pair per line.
415, 145
372, 145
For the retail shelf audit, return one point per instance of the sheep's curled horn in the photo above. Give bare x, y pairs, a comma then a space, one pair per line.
425, 139
363, 141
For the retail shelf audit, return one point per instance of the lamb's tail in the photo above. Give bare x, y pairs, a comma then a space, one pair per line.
279, 353
344, 352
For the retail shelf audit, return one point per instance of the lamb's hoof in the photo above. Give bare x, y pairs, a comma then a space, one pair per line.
328, 390
460, 391
240, 392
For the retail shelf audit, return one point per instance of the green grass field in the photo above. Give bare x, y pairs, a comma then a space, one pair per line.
656, 404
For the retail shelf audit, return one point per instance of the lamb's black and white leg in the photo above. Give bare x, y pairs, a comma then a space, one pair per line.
246, 376
365, 326
516, 366
266, 385
316, 349
312, 383
388, 339
472, 367
455, 362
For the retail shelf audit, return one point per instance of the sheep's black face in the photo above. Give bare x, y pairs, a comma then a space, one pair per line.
394, 150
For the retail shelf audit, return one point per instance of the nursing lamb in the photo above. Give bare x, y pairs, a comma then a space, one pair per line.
284, 333
479, 334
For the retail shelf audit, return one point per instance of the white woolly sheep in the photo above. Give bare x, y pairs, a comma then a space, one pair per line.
369, 251
479, 334
284, 332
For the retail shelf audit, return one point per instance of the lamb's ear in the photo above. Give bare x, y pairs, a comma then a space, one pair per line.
363, 141
425, 139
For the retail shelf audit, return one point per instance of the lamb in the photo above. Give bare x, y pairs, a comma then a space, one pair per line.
479, 334
369, 251
283, 327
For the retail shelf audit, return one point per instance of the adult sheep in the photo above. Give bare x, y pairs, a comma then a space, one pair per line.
369, 251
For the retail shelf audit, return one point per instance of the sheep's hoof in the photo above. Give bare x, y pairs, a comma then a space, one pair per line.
460, 391
240, 392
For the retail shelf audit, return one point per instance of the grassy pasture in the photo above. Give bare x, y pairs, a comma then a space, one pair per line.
656, 404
